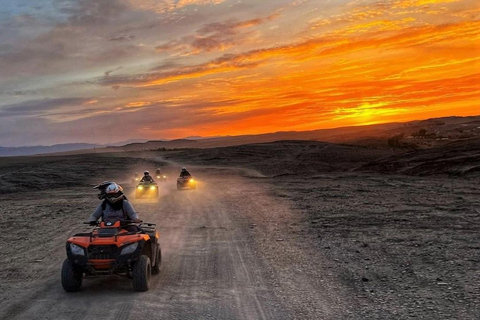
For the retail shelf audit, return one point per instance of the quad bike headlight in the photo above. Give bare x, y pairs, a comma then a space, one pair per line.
164, 177
140, 187
77, 250
158, 177
129, 248
191, 180
153, 188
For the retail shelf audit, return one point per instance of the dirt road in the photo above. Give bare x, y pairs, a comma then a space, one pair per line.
223, 258
246, 246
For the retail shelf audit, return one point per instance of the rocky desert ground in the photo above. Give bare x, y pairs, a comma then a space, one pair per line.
284, 230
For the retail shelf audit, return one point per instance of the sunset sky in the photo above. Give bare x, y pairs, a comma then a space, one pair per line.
110, 70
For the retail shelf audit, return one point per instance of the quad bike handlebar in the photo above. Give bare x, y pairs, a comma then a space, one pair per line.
122, 223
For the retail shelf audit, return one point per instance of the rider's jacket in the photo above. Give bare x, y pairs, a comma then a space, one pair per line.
113, 213
184, 174
147, 179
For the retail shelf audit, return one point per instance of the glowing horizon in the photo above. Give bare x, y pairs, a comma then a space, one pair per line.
121, 69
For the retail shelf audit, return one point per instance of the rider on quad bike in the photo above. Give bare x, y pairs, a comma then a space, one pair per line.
115, 206
119, 244
186, 180
160, 177
147, 177
184, 173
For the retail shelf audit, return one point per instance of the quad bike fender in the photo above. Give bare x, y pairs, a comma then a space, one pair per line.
119, 241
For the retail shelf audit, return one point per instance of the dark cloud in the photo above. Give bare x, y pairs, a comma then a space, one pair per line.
39, 107
108, 72
92, 12
214, 36
227, 62
228, 27
19, 93
167, 65
75, 41
123, 37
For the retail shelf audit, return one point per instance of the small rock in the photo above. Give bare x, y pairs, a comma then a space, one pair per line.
365, 279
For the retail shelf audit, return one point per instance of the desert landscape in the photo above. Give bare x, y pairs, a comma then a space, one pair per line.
281, 230
333, 146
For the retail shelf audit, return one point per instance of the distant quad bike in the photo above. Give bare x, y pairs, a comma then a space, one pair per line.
186, 182
161, 177
149, 189
135, 179
126, 248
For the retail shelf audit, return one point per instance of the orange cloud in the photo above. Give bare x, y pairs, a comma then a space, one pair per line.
367, 68
137, 104
419, 3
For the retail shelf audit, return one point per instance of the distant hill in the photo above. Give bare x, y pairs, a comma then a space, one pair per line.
32, 150
415, 134
422, 134
283, 157
307, 158
61, 148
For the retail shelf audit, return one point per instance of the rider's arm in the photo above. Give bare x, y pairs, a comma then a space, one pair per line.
96, 214
132, 215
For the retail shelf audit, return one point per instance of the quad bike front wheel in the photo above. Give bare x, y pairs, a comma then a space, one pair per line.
71, 277
142, 270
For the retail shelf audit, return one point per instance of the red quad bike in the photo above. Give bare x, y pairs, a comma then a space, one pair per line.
113, 248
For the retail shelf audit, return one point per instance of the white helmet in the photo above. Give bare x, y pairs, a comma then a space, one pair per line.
113, 188
114, 193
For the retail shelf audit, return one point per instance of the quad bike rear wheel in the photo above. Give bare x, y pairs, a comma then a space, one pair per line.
71, 277
142, 270
158, 261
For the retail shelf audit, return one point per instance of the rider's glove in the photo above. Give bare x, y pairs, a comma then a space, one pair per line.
93, 223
